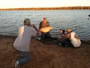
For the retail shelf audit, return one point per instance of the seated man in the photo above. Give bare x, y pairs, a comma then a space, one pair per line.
65, 39
43, 24
62, 33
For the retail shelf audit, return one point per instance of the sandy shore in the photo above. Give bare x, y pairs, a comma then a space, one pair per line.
45, 55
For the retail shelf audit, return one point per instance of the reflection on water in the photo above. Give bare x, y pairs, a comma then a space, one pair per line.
75, 19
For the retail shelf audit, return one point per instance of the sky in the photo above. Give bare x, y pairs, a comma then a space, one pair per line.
42, 3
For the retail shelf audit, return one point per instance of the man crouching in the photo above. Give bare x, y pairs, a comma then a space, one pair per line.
22, 42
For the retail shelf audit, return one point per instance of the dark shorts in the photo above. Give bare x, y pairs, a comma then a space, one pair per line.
45, 36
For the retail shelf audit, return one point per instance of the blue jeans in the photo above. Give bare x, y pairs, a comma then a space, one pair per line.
25, 59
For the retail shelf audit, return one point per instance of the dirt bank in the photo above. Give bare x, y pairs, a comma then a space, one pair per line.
45, 55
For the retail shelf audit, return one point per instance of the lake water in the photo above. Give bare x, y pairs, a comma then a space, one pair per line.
78, 20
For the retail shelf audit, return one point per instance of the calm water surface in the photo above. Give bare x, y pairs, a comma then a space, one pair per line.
78, 20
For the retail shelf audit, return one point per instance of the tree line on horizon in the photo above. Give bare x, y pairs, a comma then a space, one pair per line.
52, 8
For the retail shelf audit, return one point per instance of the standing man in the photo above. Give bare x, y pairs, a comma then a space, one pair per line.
22, 42
42, 24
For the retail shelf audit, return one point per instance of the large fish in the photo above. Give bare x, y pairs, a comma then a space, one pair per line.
46, 29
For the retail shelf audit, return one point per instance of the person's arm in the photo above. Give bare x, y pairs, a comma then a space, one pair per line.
40, 25
36, 29
76, 36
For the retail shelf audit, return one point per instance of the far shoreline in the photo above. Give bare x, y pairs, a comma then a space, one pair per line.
49, 8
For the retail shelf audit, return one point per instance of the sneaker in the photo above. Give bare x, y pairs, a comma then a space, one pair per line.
17, 64
38, 38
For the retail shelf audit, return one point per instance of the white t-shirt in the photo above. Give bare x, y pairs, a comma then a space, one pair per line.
25, 34
76, 42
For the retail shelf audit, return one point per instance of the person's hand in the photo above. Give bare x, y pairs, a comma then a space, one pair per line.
33, 26
76, 36
36, 29
38, 33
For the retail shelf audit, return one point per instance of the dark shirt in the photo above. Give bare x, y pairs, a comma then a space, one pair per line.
41, 25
